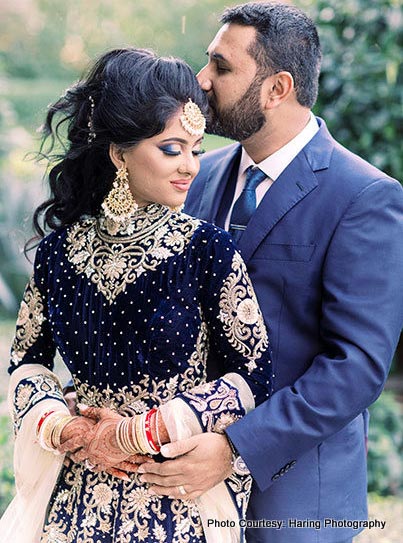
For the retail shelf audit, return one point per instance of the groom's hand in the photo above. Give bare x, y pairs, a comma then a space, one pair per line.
199, 463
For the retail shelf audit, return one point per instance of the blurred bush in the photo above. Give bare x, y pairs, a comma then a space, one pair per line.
385, 447
19, 192
361, 85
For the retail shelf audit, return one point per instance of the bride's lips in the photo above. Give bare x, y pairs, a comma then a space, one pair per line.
181, 184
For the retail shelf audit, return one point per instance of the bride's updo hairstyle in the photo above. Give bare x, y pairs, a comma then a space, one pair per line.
126, 97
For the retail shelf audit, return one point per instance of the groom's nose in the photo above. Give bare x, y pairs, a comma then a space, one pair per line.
204, 79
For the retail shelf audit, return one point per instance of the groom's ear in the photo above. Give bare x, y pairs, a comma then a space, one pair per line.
276, 89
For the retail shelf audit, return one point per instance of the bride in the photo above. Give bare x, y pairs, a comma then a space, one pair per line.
151, 310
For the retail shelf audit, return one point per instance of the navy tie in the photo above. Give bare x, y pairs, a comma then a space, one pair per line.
246, 203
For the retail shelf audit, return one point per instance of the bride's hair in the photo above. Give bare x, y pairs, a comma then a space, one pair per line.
127, 96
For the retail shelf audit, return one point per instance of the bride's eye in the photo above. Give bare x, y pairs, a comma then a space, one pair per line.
170, 150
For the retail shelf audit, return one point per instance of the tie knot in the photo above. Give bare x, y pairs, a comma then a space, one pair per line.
254, 176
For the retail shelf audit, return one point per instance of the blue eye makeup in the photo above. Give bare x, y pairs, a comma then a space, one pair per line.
169, 150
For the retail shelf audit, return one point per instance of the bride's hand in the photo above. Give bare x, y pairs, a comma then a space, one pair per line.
131, 465
72, 438
100, 447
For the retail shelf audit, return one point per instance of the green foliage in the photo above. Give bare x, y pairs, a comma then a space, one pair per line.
18, 195
14, 268
360, 93
385, 447
57, 38
6, 463
27, 100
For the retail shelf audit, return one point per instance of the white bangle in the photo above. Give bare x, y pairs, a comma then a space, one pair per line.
156, 428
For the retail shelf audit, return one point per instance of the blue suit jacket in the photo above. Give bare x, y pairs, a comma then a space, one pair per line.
324, 251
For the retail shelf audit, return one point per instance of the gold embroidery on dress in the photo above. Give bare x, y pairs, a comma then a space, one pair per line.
29, 322
32, 390
242, 486
217, 408
113, 262
97, 503
240, 314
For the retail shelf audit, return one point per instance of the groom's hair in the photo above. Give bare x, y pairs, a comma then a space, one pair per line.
286, 40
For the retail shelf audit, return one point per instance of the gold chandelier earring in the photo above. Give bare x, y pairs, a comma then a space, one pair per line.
119, 205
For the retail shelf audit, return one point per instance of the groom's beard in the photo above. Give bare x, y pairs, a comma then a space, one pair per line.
241, 120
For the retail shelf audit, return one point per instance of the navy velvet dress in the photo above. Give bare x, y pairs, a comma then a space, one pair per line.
142, 317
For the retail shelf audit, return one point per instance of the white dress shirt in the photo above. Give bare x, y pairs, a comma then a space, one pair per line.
273, 165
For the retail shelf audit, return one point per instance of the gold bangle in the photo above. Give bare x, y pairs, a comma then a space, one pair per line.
118, 433
45, 433
58, 429
139, 433
125, 437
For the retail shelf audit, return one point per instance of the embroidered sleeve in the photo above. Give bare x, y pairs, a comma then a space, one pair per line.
32, 390
33, 342
237, 332
238, 340
242, 320
33, 345
217, 404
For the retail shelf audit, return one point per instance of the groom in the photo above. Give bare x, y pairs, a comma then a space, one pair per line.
321, 232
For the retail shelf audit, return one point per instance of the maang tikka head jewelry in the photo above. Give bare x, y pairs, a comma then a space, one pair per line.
192, 119
119, 205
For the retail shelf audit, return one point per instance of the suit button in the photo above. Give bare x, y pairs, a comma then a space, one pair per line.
293, 463
275, 477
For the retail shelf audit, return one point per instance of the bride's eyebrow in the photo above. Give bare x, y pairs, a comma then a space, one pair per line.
180, 140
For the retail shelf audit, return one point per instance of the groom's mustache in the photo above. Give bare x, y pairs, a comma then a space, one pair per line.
213, 109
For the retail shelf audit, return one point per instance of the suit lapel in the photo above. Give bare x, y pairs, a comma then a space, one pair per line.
215, 185
293, 185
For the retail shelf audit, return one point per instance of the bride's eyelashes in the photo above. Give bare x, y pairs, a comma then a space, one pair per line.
170, 151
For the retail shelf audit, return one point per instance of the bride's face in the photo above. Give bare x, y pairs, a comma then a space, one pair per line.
162, 168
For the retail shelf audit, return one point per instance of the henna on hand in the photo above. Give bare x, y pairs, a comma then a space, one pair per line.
131, 467
100, 445
73, 433
117, 473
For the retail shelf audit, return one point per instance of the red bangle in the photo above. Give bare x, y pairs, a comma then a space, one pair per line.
147, 427
42, 420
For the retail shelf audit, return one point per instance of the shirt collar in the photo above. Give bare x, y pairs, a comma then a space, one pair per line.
276, 163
